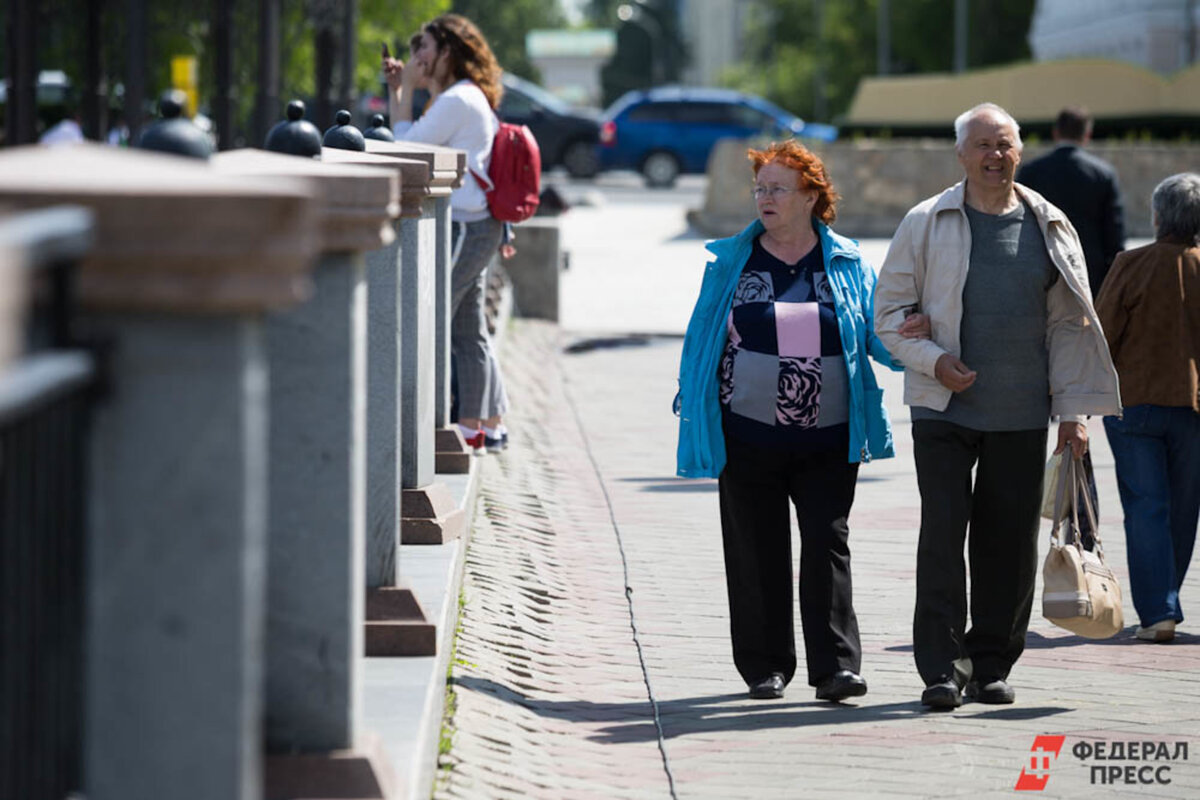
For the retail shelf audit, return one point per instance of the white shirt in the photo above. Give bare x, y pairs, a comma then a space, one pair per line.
461, 118
65, 132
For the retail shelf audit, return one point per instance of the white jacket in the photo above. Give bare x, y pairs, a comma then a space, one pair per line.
926, 267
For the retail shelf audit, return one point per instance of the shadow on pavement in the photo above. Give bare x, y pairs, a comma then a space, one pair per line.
1036, 641
690, 235
711, 486
633, 722
674, 484
605, 343
686, 717
1013, 713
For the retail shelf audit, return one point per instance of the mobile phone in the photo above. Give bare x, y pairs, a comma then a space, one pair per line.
386, 54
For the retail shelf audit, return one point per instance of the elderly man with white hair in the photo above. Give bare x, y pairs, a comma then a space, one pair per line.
1015, 340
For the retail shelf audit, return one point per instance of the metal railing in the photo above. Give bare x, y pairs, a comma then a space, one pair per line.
44, 403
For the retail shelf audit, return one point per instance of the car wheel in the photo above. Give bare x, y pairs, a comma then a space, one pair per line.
581, 160
660, 169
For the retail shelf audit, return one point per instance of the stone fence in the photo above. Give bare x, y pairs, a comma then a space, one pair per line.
261, 347
879, 180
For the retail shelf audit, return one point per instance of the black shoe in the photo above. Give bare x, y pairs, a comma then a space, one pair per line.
945, 694
994, 692
840, 685
769, 688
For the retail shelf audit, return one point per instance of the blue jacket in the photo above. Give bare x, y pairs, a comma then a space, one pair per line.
701, 452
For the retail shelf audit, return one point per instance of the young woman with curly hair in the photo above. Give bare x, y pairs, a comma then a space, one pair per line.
778, 401
452, 60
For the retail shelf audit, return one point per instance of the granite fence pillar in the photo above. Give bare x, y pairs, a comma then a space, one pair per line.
396, 622
186, 265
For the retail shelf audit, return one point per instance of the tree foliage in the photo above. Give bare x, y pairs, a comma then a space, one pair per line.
379, 21
791, 54
391, 21
602, 13
505, 24
185, 28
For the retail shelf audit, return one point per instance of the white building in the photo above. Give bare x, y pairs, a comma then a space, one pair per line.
713, 31
570, 61
1160, 35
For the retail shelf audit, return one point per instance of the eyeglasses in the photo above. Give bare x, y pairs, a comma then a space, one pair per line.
774, 192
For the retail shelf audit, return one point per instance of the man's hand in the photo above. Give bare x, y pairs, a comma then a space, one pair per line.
952, 373
1074, 434
916, 326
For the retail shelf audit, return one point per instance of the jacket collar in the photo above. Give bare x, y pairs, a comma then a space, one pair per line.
956, 198
832, 244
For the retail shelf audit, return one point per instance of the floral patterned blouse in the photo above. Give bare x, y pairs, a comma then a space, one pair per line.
783, 375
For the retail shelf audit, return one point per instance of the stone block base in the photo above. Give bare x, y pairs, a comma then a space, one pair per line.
534, 270
452, 463
451, 455
429, 515
397, 625
449, 440
363, 773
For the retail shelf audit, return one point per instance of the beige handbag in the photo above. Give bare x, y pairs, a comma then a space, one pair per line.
1080, 592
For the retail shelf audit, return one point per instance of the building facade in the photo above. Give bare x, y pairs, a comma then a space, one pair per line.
713, 30
1160, 35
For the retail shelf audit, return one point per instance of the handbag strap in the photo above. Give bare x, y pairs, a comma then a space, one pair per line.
1072, 485
1081, 490
1061, 511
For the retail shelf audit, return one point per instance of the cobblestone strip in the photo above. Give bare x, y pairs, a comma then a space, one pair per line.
545, 659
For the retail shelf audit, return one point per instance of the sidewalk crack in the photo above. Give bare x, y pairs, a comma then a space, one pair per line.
612, 516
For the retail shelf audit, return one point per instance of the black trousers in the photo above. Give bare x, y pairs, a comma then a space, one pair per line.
755, 489
1002, 510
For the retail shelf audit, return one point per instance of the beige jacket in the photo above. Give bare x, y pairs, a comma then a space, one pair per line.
926, 268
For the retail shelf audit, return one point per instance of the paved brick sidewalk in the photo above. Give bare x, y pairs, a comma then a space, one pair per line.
552, 700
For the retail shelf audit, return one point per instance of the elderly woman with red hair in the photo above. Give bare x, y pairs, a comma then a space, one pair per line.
779, 402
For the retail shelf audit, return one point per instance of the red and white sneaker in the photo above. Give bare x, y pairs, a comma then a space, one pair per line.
474, 439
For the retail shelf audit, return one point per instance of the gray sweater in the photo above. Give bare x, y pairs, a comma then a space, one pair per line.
1003, 335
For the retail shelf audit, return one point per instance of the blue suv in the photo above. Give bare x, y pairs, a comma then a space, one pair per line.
671, 130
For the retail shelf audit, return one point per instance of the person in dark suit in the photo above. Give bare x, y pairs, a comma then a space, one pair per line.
1085, 188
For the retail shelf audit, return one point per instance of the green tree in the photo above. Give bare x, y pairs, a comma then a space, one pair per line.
391, 21
603, 13
505, 25
379, 21
790, 57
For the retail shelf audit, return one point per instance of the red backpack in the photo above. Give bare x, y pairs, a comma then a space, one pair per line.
516, 174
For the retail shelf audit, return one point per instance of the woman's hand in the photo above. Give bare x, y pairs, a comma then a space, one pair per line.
393, 72
916, 326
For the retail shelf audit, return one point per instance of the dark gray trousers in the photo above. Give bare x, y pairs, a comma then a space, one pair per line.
1002, 510
473, 245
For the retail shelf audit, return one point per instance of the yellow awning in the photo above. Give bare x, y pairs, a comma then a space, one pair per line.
1030, 92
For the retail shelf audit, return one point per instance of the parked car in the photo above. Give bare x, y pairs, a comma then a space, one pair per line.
671, 130
565, 135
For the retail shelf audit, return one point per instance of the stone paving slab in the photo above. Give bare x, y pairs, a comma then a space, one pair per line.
552, 699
